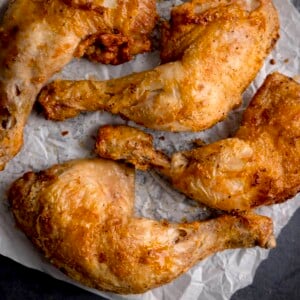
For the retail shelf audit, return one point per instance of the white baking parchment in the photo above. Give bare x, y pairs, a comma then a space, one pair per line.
218, 276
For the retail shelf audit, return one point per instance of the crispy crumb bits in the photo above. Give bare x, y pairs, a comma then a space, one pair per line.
64, 133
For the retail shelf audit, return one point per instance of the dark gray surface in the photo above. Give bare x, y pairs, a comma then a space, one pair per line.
277, 278
20, 283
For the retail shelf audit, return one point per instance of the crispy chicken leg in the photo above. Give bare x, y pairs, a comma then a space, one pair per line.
80, 214
219, 46
259, 166
37, 38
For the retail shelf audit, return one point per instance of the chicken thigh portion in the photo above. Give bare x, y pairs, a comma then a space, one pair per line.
37, 38
218, 48
80, 215
259, 166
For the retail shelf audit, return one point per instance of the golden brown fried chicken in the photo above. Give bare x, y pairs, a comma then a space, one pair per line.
80, 214
219, 47
259, 166
37, 38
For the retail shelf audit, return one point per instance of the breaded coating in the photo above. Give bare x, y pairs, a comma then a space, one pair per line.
38, 38
80, 215
216, 49
258, 166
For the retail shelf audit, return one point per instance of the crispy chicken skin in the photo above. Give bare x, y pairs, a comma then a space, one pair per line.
259, 166
37, 38
219, 46
80, 215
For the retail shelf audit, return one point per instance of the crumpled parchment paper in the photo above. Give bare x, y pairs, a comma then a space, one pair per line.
218, 276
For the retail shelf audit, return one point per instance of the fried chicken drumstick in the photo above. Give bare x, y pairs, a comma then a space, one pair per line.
259, 166
37, 38
80, 214
217, 48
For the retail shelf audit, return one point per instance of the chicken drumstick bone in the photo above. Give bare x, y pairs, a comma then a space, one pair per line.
259, 166
219, 46
38, 38
80, 214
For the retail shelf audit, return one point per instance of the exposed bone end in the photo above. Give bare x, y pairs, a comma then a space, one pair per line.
125, 143
263, 227
57, 110
271, 243
131, 145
